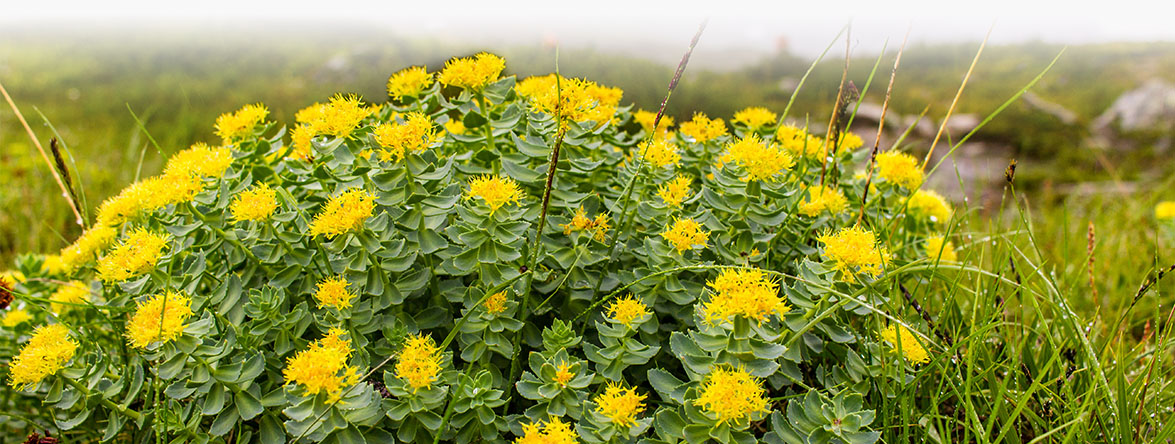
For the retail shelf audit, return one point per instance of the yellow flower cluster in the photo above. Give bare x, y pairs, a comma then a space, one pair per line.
554, 431
661, 153
413, 136
580, 222
929, 205
54, 264
494, 191
900, 168
339, 118
68, 296
646, 118
496, 303
16, 316
199, 160
675, 191
743, 292
1165, 210
332, 292
684, 234
323, 368
472, 73
911, 347
408, 82
731, 395
799, 142
160, 318
821, 199
148, 195
755, 117
88, 245
627, 310
620, 405
137, 255
419, 362
574, 100
237, 126
257, 203
703, 129
48, 351
854, 250
343, 213
302, 139
938, 248
564, 374
758, 159
455, 126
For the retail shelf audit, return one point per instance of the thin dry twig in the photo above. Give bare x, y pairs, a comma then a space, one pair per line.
836, 109
943, 126
881, 126
65, 192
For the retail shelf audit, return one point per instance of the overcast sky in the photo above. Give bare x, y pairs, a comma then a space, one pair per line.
734, 25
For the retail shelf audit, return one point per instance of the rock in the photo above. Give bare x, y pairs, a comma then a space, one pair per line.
961, 124
922, 127
869, 112
1053, 109
1149, 106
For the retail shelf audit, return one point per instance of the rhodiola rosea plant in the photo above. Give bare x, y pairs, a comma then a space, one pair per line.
485, 258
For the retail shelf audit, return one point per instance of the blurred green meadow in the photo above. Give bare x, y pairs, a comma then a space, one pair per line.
84, 89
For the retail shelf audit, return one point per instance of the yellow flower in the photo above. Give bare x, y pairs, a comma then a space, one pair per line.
823, 198
850, 141
731, 395
854, 250
1165, 210
685, 234
496, 303
627, 310
645, 120
339, 118
135, 256
88, 245
929, 205
620, 405
239, 125
332, 292
343, 213
413, 136
322, 367
160, 318
16, 316
472, 73
580, 222
938, 248
48, 351
703, 129
199, 160
302, 140
455, 126
755, 117
494, 191
743, 292
419, 362
148, 195
563, 374
675, 191
799, 143
72, 292
408, 82
554, 431
661, 153
53, 264
900, 168
760, 160
258, 203
911, 346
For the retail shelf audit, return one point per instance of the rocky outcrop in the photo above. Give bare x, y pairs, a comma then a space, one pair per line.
1150, 106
